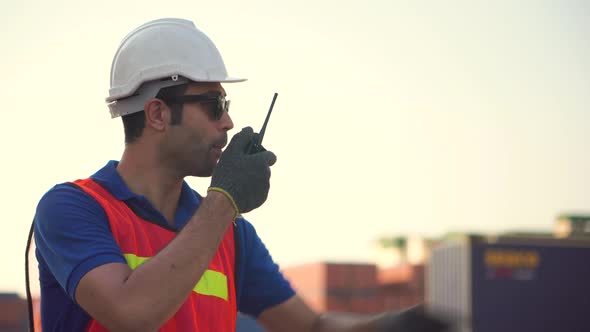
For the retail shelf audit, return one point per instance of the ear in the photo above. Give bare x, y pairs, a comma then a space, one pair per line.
157, 114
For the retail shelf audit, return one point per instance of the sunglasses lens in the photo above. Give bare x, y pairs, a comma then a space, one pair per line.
222, 106
214, 106
217, 107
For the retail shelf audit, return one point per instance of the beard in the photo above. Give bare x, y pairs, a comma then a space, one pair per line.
191, 152
198, 158
198, 161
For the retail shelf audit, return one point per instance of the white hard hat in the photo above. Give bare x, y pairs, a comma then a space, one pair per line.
159, 54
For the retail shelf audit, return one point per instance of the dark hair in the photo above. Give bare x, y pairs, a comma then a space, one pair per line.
134, 123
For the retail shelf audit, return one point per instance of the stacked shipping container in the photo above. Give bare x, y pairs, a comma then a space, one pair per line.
513, 284
357, 288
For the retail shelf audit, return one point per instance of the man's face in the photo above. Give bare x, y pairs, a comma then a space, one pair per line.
195, 145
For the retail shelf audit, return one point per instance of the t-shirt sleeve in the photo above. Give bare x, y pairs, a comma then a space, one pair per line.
263, 285
72, 235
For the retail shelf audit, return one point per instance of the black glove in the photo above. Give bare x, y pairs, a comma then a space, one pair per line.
414, 319
243, 177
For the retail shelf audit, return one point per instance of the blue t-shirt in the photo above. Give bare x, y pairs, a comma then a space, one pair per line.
72, 237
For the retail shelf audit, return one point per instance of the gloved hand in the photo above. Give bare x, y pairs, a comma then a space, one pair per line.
244, 178
414, 319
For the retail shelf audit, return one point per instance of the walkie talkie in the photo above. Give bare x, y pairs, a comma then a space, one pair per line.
256, 145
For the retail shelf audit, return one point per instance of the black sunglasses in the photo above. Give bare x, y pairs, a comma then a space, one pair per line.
217, 104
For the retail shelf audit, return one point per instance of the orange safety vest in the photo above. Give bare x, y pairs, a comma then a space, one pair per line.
211, 305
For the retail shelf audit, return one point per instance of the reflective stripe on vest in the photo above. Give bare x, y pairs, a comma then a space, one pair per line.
211, 306
212, 283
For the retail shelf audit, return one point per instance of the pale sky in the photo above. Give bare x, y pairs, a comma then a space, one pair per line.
393, 117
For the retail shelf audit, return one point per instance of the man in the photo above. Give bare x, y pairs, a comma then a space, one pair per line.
134, 248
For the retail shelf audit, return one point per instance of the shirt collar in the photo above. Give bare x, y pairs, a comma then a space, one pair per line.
109, 178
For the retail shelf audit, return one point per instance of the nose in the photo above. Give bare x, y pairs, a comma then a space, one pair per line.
226, 122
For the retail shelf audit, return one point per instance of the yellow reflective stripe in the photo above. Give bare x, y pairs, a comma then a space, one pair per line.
212, 283
134, 261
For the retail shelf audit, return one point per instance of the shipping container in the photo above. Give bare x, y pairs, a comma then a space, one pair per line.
513, 284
